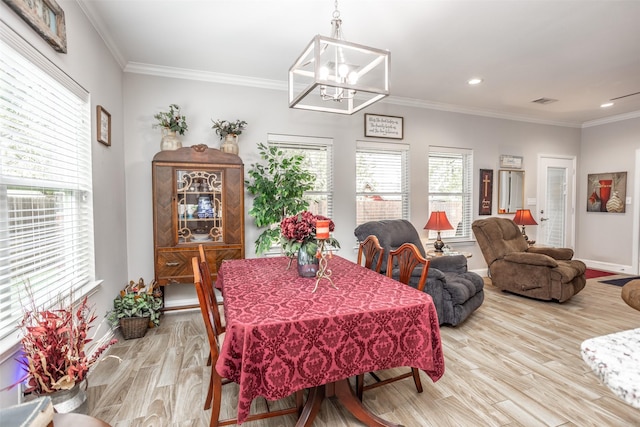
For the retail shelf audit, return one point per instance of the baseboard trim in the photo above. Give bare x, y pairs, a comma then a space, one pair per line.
606, 266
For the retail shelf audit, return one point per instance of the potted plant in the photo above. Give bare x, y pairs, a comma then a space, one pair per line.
225, 127
298, 237
135, 310
171, 122
278, 186
228, 133
53, 353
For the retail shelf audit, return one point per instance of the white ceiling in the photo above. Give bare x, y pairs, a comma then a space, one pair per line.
581, 52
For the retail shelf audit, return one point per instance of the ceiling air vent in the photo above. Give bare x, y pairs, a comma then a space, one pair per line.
544, 101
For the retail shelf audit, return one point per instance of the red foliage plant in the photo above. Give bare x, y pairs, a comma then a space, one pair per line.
54, 347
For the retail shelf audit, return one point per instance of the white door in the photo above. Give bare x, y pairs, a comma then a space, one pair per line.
556, 201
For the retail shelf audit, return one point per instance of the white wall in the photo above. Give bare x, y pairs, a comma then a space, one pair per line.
606, 239
92, 66
266, 111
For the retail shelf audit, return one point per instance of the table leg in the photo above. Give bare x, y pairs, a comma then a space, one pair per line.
312, 407
347, 397
342, 390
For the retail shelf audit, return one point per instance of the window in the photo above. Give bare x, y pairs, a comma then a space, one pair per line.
46, 218
382, 181
450, 189
318, 153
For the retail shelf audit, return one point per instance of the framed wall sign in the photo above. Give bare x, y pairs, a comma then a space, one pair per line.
486, 192
383, 126
103, 120
510, 162
44, 16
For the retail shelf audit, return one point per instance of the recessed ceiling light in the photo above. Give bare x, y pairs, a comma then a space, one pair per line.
474, 81
606, 105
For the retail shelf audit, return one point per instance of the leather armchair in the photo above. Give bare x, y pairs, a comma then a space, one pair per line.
455, 291
537, 272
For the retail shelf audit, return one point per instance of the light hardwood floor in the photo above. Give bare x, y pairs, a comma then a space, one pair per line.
514, 362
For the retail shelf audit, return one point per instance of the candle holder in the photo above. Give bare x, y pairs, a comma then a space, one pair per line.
323, 271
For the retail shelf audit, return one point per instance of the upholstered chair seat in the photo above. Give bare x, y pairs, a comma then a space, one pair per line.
537, 272
456, 292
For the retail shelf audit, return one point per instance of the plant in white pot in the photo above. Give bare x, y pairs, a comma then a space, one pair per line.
228, 132
171, 122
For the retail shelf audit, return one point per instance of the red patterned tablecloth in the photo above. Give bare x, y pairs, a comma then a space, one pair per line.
280, 337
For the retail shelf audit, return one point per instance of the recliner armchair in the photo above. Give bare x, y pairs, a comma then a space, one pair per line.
543, 273
456, 292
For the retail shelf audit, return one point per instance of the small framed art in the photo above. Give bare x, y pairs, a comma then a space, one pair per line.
383, 126
485, 203
44, 16
103, 120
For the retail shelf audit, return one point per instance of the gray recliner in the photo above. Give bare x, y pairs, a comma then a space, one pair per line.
455, 291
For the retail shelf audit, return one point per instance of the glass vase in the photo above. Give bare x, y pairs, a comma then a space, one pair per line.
308, 263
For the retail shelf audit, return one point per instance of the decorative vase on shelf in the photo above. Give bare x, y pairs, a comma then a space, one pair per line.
170, 140
307, 263
230, 144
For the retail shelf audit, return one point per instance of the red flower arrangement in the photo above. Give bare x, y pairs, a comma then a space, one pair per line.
300, 230
54, 347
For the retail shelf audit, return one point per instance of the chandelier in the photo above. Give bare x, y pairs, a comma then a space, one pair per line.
336, 76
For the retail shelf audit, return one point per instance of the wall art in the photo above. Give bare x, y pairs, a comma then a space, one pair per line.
383, 126
44, 16
607, 192
485, 203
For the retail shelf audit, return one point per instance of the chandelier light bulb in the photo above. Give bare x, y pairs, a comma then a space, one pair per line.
343, 70
324, 73
353, 77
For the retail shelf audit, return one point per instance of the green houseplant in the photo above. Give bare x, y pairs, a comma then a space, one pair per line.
135, 309
225, 127
278, 185
172, 120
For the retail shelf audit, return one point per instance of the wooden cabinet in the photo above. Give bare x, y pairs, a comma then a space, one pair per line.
198, 198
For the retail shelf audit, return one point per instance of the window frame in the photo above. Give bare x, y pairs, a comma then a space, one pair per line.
61, 201
465, 218
403, 194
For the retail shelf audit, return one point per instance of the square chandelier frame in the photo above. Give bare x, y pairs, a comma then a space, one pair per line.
306, 80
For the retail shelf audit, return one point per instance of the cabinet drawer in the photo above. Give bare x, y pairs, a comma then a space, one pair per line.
174, 265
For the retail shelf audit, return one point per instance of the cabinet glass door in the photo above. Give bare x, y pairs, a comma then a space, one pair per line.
199, 206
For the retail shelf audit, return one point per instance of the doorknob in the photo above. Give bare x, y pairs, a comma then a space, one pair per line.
541, 217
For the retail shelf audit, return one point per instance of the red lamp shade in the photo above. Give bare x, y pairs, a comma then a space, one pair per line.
438, 221
524, 217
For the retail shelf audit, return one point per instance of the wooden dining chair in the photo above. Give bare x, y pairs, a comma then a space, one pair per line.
207, 282
370, 251
214, 396
404, 260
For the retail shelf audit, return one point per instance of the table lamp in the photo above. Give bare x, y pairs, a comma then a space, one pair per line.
438, 221
523, 217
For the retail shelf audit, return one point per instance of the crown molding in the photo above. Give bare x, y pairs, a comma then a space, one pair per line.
98, 23
612, 119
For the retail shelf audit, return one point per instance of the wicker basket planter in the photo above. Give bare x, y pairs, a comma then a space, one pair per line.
134, 327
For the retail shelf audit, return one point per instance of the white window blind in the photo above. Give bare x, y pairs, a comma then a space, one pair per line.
318, 154
382, 181
450, 189
46, 218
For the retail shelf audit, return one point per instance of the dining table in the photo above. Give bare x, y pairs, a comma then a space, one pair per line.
281, 337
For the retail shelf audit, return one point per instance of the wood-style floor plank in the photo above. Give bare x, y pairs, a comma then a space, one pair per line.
514, 362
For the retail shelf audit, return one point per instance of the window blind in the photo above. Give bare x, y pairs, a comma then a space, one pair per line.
46, 218
318, 154
450, 189
382, 181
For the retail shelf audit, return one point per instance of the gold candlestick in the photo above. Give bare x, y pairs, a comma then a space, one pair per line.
323, 271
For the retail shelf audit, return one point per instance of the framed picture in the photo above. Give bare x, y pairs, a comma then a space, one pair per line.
103, 126
383, 126
486, 192
510, 162
607, 192
44, 16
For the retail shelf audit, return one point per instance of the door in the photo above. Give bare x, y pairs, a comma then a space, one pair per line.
556, 201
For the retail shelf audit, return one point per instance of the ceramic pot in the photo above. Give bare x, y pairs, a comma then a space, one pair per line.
170, 140
230, 144
308, 264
